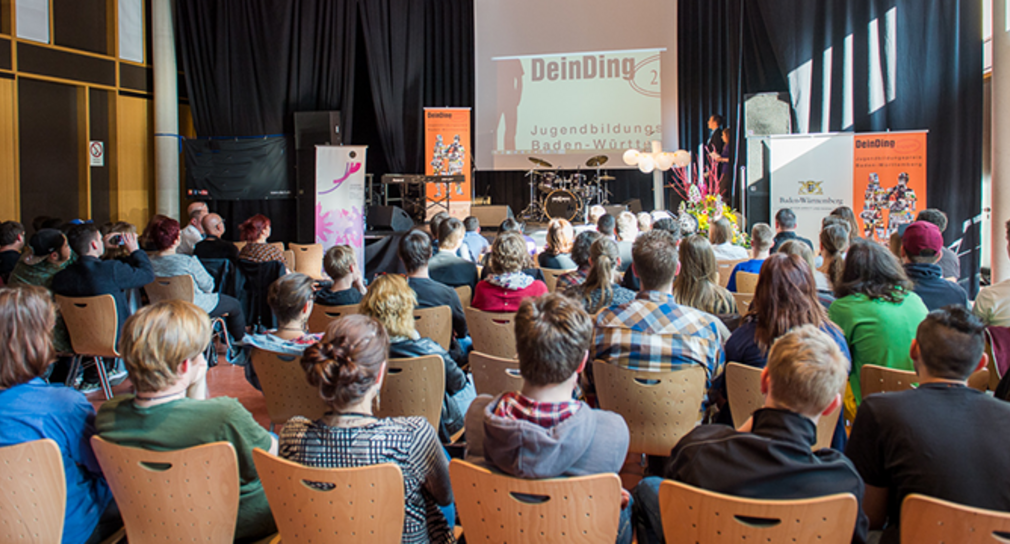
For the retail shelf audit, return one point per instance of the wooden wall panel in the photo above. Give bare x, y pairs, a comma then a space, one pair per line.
9, 193
133, 178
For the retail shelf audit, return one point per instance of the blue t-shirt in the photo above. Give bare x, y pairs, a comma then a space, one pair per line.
753, 266
36, 410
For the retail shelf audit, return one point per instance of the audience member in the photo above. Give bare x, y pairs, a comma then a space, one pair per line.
593, 216
801, 250
163, 348
391, 301
12, 241
627, 231
600, 289
606, 226
761, 240
654, 332
212, 246
115, 248
31, 410
665, 223
644, 221
834, 243
785, 224
580, 256
445, 266
697, 283
434, 224
473, 240
921, 245
720, 234
49, 253
167, 262
558, 247
341, 264
941, 439
194, 232
90, 276
348, 367
255, 232
877, 311
992, 305
846, 214
770, 457
290, 299
511, 225
145, 237
415, 251
507, 285
540, 431
950, 263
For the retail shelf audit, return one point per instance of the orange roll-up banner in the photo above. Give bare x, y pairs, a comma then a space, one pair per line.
889, 181
448, 145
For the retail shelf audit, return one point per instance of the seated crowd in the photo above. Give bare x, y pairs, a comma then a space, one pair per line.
638, 292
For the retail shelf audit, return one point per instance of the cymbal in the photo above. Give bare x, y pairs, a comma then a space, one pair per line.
606, 178
540, 162
598, 160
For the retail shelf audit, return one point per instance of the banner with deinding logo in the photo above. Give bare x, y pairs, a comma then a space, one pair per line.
889, 181
448, 150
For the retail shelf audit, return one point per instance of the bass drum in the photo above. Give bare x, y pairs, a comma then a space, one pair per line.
562, 204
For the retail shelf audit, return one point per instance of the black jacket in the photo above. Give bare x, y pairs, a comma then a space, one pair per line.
455, 380
91, 276
934, 291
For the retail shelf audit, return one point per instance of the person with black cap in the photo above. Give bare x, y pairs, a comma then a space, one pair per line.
921, 249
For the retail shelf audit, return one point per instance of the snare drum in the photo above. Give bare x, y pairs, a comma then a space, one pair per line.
562, 204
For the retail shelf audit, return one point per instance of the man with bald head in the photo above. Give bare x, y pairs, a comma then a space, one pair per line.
213, 247
193, 233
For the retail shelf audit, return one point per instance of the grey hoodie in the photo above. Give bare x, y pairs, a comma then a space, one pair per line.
589, 442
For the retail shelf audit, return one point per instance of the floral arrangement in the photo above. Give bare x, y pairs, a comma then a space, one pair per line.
702, 201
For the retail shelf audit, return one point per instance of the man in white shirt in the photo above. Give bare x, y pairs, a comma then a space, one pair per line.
193, 233
992, 305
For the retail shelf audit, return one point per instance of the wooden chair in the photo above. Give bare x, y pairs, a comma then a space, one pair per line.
659, 407
743, 387
278, 245
551, 276
435, 323
743, 302
881, 379
499, 508
494, 375
286, 391
34, 496
370, 498
92, 323
696, 515
321, 315
171, 288
413, 387
746, 282
289, 259
240, 244
183, 495
726, 270
926, 520
308, 259
492, 333
465, 295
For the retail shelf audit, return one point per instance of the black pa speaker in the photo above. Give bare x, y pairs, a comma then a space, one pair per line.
634, 205
389, 218
616, 210
314, 128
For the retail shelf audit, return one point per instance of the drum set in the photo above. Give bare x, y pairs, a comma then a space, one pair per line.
554, 195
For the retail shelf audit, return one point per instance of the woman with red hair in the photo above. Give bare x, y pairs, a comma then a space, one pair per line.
164, 237
255, 231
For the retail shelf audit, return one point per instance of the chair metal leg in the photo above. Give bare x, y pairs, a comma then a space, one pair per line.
103, 377
75, 367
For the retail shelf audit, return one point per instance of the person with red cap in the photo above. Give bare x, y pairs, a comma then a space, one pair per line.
921, 249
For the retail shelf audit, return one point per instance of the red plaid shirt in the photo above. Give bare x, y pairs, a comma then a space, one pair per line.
546, 414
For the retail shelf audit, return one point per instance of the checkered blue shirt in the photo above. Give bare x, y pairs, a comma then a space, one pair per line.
655, 333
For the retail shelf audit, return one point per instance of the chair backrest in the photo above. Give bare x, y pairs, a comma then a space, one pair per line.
278, 245
465, 295
321, 315
499, 508
370, 498
659, 407
413, 387
171, 288
746, 282
289, 259
183, 495
493, 375
926, 520
743, 390
286, 391
696, 515
34, 496
726, 270
551, 276
743, 302
435, 323
92, 324
308, 259
492, 333
240, 244
881, 379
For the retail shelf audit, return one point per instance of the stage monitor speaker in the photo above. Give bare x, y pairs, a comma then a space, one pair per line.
314, 128
634, 205
491, 216
616, 210
389, 218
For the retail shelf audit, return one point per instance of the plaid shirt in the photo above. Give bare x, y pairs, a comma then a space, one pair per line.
655, 333
546, 414
571, 279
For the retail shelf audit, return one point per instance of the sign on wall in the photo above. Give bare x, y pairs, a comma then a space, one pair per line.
448, 149
340, 198
889, 181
